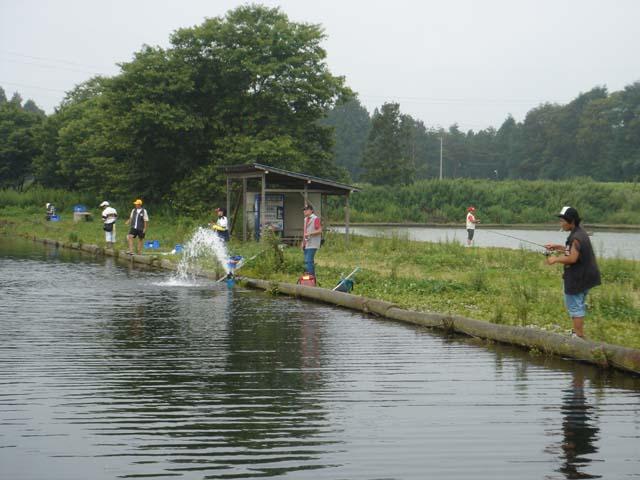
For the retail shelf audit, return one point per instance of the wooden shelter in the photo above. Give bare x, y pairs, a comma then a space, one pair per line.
276, 198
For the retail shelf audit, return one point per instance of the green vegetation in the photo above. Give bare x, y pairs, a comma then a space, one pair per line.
249, 86
511, 287
505, 202
595, 135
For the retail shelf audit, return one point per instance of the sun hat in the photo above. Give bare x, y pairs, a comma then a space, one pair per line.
471, 209
104, 204
138, 202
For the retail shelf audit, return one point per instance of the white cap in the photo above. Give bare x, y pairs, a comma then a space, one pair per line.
104, 204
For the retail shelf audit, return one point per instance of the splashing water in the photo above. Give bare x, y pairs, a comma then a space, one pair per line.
204, 243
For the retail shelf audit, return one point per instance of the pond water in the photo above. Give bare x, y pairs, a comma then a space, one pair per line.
109, 371
609, 244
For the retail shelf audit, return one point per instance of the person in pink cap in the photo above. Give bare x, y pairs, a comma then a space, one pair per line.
471, 224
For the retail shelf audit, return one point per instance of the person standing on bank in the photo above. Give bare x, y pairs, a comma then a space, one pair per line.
222, 224
109, 217
471, 225
138, 219
580, 269
311, 239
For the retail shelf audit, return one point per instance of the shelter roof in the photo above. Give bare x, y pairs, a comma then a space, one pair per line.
279, 178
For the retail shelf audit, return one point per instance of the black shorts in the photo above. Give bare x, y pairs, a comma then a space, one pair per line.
134, 232
470, 232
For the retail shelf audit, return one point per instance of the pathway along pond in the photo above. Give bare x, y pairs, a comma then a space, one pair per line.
109, 371
607, 243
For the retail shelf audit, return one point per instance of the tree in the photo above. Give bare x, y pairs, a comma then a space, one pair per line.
246, 87
351, 126
30, 106
17, 143
385, 161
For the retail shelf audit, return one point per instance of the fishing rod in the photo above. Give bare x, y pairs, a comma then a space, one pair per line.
519, 239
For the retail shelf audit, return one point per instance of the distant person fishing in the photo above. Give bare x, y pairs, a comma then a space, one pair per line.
471, 224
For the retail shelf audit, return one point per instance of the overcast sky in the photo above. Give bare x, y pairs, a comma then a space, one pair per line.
456, 61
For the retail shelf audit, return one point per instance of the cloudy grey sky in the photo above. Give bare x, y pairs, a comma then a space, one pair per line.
457, 61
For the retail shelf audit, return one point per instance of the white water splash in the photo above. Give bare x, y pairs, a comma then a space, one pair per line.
203, 244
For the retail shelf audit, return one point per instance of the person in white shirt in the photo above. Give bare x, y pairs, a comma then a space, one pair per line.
109, 217
471, 225
222, 224
138, 219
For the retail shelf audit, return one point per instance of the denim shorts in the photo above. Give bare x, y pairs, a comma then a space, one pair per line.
576, 304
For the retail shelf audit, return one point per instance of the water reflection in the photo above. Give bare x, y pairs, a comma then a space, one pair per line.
579, 430
231, 379
109, 373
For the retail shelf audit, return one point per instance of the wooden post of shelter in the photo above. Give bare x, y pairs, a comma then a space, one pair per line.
263, 202
346, 218
228, 207
244, 209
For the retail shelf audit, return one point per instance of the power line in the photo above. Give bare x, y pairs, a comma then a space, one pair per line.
31, 86
449, 101
69, 62
53, 67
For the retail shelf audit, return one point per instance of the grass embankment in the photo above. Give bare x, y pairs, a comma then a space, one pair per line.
503, 286
500, 202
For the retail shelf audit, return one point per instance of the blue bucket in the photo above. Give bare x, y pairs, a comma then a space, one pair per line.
54, 218
148, 244
156, 244
179, 248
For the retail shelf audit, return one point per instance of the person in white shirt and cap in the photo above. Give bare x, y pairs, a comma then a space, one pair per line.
109, 217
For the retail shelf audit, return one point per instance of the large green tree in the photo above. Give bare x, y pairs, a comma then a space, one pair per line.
247, 87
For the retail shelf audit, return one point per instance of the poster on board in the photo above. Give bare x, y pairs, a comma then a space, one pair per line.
273, 212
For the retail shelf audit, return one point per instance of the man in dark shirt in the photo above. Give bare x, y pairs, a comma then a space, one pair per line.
580, 269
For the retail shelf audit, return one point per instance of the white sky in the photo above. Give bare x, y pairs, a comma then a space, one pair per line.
457, 61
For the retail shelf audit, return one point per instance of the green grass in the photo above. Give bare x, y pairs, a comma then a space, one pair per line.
503, 202
511, 287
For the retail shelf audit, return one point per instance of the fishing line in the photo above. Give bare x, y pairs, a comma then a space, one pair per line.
516, 238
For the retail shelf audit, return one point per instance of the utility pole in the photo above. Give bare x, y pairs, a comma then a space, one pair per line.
440, 157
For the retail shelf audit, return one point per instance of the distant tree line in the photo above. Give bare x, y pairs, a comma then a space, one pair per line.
252, 86
597, 135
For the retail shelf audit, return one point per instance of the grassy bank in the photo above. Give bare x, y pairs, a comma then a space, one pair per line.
498, 285
501, 202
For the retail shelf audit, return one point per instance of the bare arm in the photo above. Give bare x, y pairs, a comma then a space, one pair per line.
570, 259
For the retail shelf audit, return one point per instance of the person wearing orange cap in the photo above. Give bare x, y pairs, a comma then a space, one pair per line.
138, 219
471, 224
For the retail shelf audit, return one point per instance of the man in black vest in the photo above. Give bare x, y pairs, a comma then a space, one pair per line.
580, 269
138, 219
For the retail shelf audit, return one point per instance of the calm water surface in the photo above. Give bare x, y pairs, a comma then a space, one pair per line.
110, 372
607, 244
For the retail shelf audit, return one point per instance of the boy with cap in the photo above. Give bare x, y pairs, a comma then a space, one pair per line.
580, 269
109, 217
138, 219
